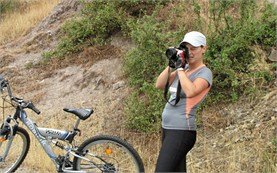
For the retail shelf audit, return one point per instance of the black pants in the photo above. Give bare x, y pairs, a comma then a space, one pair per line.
175, 146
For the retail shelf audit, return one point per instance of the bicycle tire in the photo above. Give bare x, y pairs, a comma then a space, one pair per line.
106, 152
14, 158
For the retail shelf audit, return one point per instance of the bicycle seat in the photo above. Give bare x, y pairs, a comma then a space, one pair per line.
83, 114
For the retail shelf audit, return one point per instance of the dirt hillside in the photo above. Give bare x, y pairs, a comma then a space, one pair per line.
58, 87
234, 137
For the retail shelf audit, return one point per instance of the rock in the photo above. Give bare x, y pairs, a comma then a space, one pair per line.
273, 55
98, 81
118, 85
231, 127
49, 32
214, 145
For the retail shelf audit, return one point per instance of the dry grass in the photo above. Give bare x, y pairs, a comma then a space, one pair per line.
16, 24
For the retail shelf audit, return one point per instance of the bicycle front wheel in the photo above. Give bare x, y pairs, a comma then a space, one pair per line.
107, 154
15, 149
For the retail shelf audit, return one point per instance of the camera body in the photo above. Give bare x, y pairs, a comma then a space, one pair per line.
173, 55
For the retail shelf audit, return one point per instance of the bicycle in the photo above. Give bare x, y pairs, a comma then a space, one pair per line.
100, 153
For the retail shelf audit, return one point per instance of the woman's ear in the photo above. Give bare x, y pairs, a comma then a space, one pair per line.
204, 48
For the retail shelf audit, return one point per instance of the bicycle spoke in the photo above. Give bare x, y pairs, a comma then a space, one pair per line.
110, 154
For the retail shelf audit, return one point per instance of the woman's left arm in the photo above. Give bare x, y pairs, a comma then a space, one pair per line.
190, 88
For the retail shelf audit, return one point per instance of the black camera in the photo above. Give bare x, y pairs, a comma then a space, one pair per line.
171, 53
173, 56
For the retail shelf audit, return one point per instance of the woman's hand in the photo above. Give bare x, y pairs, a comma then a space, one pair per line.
180, 63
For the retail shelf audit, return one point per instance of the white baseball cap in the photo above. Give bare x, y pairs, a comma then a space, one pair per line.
195, 38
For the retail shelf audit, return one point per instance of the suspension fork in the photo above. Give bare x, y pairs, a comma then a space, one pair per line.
7, 132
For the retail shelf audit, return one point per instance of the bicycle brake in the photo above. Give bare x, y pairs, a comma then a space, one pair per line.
4, 133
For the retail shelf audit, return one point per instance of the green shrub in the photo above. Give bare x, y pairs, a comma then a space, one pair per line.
143, 109
9, 6
98, 21
231, 51
139, 8
142, 65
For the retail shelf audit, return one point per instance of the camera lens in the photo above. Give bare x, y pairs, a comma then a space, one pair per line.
171, 53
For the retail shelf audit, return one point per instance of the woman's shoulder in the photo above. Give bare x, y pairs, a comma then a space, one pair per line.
205, 69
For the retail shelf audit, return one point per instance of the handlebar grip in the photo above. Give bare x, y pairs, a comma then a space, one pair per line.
36, 110
31, 106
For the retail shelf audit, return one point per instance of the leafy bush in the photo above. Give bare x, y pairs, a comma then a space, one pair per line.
231, 46
139, 8
142, 66
9, 6
99, 20
143, 109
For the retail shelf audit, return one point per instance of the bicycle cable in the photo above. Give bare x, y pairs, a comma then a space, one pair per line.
3, 105
3, 108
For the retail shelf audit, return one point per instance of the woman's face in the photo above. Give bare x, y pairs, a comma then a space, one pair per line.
195, 53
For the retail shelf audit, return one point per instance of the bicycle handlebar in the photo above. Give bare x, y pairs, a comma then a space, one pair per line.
33, 108
25, 104
20, 102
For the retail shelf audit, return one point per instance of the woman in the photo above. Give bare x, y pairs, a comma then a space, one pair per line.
178, 121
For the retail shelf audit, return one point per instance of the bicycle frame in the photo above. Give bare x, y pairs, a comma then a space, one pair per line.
43, 135
42, 139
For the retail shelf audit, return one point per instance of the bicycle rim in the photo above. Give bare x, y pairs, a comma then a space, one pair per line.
18, 150
108, 154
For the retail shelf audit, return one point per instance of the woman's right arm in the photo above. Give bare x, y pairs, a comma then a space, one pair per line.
162, 79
